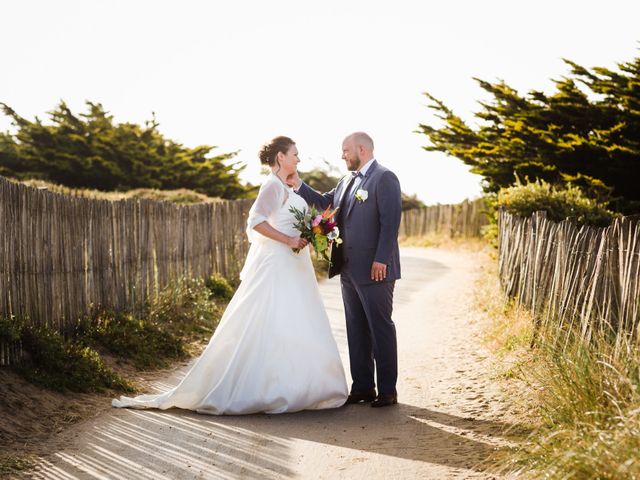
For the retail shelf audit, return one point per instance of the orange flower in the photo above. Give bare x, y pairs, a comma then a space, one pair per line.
317, 230
328, 214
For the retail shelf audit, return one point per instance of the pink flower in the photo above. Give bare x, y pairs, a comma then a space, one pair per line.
316, 221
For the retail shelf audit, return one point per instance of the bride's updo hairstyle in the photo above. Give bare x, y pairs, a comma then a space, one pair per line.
269, 150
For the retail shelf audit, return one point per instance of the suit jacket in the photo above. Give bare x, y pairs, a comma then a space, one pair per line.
369, 228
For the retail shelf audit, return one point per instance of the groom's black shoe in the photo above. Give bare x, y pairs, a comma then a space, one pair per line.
385, 399
357, 397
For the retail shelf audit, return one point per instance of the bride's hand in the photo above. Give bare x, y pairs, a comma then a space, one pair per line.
293, 180
297, 242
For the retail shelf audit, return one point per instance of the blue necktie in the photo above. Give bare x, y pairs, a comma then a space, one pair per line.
344, 200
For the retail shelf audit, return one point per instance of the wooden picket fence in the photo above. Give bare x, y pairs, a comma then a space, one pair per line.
578, 277
461, 220
62, 255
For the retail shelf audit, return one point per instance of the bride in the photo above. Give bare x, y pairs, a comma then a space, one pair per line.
273, 350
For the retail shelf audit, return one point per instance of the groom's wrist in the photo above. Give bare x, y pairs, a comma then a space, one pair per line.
381, 259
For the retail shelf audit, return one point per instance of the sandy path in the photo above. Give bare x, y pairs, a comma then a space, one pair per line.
448, 419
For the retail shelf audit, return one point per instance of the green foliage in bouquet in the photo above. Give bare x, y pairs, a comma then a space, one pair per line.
319, 229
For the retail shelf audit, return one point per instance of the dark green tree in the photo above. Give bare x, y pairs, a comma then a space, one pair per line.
91, 151
586, 133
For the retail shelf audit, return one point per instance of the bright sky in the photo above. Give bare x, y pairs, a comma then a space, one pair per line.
235, 74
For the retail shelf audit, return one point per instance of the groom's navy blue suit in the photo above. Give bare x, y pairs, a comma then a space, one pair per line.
369, 230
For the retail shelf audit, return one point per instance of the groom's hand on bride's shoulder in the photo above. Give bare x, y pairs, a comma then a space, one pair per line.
378, 271
293, 180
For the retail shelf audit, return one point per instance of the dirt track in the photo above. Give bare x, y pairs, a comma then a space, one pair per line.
448, 419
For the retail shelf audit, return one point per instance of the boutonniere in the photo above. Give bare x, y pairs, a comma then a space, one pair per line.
362, 195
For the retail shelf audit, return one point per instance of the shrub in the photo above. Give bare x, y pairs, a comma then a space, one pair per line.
140, 341
219, 287
185, 308
559, 203
182, 312
9, 329
61, 364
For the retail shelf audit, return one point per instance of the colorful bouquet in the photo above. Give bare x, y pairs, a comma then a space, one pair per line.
317, 228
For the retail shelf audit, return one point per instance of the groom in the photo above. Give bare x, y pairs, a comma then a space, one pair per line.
368, 261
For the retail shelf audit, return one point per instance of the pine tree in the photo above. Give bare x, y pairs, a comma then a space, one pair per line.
91, 151
587, 133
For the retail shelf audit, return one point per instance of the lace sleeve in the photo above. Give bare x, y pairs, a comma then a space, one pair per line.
270, 198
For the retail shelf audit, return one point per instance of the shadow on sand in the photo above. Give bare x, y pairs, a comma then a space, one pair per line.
153, 444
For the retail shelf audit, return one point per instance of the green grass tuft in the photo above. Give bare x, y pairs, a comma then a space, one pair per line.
60, 364
15, 464
183, 312
186, 308
139, 341
164, 329
219, 287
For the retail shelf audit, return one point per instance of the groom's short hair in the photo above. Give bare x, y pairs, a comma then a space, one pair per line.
361, 138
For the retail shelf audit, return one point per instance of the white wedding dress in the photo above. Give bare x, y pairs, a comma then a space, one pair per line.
273, 350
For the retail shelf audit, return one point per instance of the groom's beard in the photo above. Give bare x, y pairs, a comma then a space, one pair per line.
355, 165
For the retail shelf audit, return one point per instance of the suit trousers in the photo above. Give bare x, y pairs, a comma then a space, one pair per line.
371, 334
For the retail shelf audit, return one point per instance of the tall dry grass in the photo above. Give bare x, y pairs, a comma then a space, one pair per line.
580, 400
589, 407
